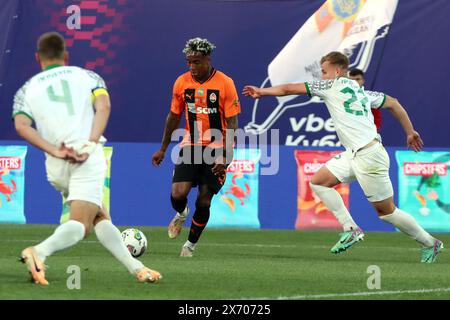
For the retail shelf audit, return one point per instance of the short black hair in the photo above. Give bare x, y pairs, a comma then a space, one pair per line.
356, 72
198, 45
51, 46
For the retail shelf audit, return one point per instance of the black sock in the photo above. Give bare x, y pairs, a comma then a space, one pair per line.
178, 205
199, 221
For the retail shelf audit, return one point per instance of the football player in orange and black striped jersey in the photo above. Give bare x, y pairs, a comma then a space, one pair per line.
211, 105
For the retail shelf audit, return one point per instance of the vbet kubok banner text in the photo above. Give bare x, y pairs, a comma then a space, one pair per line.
424, 188
236, 204
12, 184
311, 212
107, 151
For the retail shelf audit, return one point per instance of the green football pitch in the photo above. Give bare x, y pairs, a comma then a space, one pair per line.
232, 264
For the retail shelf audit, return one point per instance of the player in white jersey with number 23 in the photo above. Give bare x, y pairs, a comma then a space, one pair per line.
364, 158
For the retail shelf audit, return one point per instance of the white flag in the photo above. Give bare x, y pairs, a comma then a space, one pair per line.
337, 25
374, 15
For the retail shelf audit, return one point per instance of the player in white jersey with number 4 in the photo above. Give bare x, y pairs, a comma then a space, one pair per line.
364, 158
61, 101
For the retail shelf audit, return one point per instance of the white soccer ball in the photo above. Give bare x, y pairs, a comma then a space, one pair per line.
135, 241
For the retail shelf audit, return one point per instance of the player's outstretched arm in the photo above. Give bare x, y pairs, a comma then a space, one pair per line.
172, 122
413, 139
282, 90
24, 128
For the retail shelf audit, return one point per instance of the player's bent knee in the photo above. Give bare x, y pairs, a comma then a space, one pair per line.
325, 178
87, 227
204, 199
324, 181
317, 188
179, 193
384, 207
203, 203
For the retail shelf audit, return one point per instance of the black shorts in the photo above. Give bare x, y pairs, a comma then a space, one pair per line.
193, 167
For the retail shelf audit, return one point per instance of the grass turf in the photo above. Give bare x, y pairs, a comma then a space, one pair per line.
231, 264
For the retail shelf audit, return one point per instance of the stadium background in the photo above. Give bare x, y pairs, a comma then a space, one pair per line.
136, 46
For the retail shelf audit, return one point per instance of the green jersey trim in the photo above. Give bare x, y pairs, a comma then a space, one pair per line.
24, 113
383, 102
308, 91
52, 66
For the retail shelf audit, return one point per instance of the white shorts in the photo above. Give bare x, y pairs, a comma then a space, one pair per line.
79, 181
369, 166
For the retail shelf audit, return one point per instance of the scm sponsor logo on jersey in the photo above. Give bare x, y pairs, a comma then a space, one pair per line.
204, 110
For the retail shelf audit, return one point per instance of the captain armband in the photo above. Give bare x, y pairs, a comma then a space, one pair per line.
99, 91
